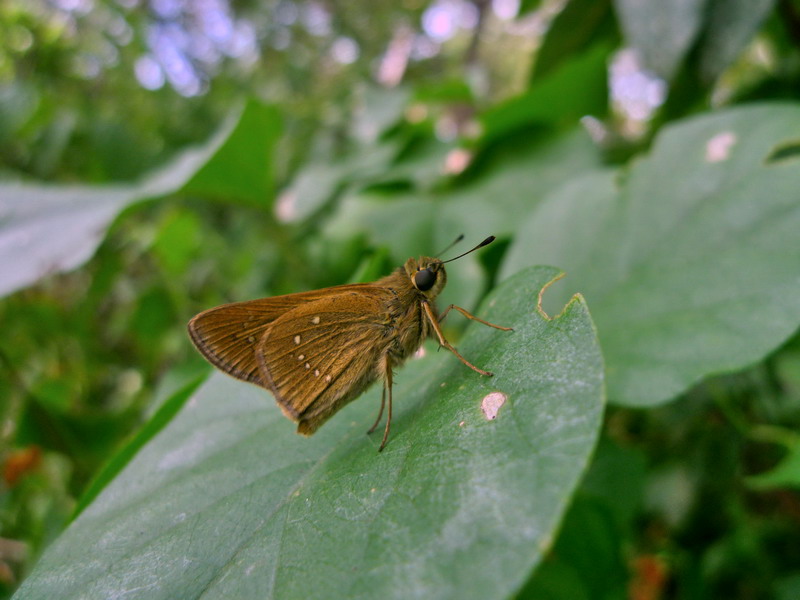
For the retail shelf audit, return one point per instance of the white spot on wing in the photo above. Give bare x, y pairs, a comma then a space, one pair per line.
301, 357
491, 403
316, 372
315, 320
297, 339
308, 366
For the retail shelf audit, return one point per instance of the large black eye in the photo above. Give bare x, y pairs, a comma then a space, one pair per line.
424, 280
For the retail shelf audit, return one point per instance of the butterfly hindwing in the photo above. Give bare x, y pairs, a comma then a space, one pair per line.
322, 354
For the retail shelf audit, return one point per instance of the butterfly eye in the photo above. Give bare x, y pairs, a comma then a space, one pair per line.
424, 280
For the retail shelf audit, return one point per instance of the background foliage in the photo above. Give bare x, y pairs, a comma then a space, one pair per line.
159, 158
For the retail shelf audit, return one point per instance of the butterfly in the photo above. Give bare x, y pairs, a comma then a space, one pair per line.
316, 351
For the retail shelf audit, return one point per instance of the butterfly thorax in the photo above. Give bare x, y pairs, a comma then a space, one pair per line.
406, 323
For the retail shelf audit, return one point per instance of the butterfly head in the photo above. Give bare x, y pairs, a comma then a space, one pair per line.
427, 275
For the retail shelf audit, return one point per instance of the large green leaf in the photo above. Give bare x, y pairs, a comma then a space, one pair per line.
690, 264
227, 502
49, 229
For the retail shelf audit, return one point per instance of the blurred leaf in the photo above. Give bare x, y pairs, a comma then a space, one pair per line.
153, 316
496, 201
378, 110
319, 182
227, 501
18, 102
177, 241
579, 25
616, 468
788, 588
555, 580
586, 559
785, 474
444, 91
689, 264
413, 224
526, 6
240, 169
590, 541
731, 26
45, 230
168, 409
49, 229
662, 32
562, 97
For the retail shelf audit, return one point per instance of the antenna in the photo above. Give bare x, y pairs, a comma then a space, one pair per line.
485, 242
453, 243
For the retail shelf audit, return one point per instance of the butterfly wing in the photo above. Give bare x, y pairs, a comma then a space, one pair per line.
323, 354
228, 335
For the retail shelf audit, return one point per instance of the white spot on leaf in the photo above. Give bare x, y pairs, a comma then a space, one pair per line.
491, 403
718, 148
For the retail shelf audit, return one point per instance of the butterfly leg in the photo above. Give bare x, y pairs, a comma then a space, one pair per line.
438, 330
388, 386
472, 317
380, 412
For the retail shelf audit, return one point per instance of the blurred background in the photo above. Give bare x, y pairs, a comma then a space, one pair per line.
161, 157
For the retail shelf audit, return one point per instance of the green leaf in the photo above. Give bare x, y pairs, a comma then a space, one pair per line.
591, 545
787, 587
320, 182
526, 6
162, 417
579, 25
240, 169
731, 26
587, 557
226, 501
785, 474
578, 87
662, 32
50, 229
690, 264
18, 103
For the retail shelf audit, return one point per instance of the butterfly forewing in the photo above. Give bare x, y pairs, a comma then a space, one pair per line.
229, 335
322, 354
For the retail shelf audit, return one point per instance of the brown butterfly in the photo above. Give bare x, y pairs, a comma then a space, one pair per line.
316, 351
